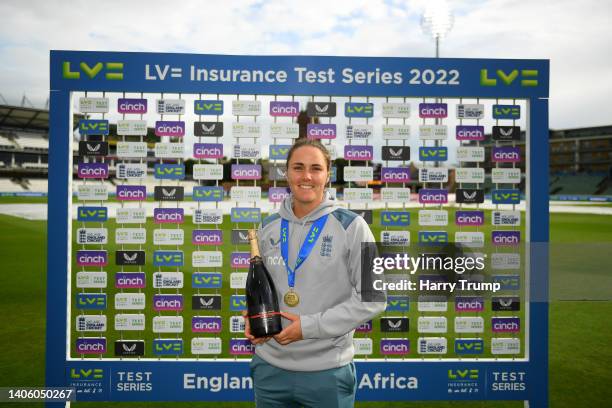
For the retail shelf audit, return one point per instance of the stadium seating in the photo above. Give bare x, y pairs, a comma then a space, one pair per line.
27, 140
575, 183
8, 186
38, 185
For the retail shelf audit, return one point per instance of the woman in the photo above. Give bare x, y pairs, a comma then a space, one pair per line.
310, 363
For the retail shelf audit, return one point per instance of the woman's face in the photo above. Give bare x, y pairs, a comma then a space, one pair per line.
307, 175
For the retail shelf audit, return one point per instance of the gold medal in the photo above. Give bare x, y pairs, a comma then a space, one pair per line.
291, 298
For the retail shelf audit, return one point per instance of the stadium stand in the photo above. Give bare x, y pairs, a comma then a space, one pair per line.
576, 183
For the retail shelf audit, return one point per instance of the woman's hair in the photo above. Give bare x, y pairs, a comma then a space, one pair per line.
314, 143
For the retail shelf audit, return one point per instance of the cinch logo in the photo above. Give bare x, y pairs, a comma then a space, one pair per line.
506, 196
506, 237
321, 131
169, 171
395, 174
506, 303
393, 324
206, 280
169, 128
281, 108
358, 110
241, 347
469, 196
508, 282
238, 303
131, 193
433, 196
168, 258
92, 214
167, 347
93, 170
529, 77
202, 324
91, 301
398, 304
207, 237
506, 133
469, 304
469, 346
278, 194
208, 150
394, 218
506, 154
238, 214
114, 70
168, 303
470, 133
469, 217
321, 109
246, 172
207, 193
505, 324
135, 106
365, 327
431, 153
91, 345
358, 153
86, 373
433, 110
92, 258
208, 107
206, 302
463, 375
506, 111
168, 193
130, 280
168, 215
87, 148
279, 152
394, 346
130, 257
240, 260
396, 153
202, 129
433, 237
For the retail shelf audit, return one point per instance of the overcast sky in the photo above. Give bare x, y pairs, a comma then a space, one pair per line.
575, 35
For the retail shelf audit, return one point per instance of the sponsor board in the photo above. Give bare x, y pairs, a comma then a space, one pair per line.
93, 127
88, 236
432, 324
240, 260
129, 322
246, 172
358, 110
505, 154
169, 171
131, 215
433, 110
207, 259
394, 346
130, 171
321, 131
433, 175
163, 303
93, 105
169, 236
130, 236
167, 347
395, 132
132, 106
131, 193
363, 346
470, 154
278, 152
91, 345
500, 345
245, 214
469, 175
433, 218
208, 193
207, 237
505, 324
240, 237
471, 239
206, 302
129, 280
169, 150
505, 304
505, 238
469, 196
394, 324
91, 148
238, 347
395, 238
506, 175
358, 153
506, 111
246, 108
505, 261
169, 193
167, 280
236, 324
398, 304
91, 301
87, 280
358, 132
250, 130
206, 345
433, 237
284, 130
167, 324
396, 110
429, 303
395, 153
95, 323
394, 174
469, 304
125, 258
358, 173
470, 132
470, 111
168, 215
91, 258
469, 324
208, 150
170, 128
284, 109
92, 214
126, 150
206, 280
129, 301
433, 196
278, 194
364, 327
208, 216
331, 192
394, 218
395, 194
507, 282
506, 196
208, 107
469, 218
132, 127
358, 195
247, 151
433, 132
433, 153
506, 218
129, 348
170, 106
468, 346
506, 133
277, 172
238, 280
245, 194
168, 258
432, 345
207, 172
92, 170
321, 109
208, 129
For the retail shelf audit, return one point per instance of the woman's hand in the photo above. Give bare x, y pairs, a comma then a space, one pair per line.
291, 333
247, 331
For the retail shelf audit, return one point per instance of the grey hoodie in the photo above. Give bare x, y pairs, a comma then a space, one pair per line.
328, 284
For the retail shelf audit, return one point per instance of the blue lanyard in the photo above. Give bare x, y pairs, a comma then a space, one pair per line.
307, 245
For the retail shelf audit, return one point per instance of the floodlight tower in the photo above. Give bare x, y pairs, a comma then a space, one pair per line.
437, 21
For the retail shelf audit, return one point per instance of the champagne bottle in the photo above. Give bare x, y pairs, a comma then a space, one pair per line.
262, 302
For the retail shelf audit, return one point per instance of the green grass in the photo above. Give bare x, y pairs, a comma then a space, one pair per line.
579, 331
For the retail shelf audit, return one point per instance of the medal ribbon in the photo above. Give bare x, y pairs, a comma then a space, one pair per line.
307, 245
